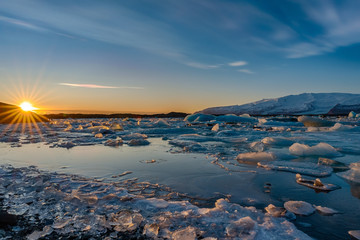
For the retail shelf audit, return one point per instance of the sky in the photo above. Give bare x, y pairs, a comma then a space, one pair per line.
151, 56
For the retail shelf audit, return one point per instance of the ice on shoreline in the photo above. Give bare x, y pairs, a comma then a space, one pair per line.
68, 204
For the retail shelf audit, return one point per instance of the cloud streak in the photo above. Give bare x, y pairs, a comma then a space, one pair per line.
245, 71
95, 86
238, 64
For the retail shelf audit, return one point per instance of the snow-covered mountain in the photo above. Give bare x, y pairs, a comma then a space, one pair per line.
305, 103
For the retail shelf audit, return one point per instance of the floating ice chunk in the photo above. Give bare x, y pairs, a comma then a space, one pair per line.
306, 168
114, 142
334, 164
255, 157
352, 114
299, 207
257, 146
355, 234
20, 209
79, 128
99, 135
321, 149
160, 123
134, 136
196, 147
188, 233
277, 141
122, 174
275, 211
116, 127
326, 210
316, 184
341, 127
61, 223
67, 145
68, 128
231, 118
39, 234
353, 174
215, 128
314, 122
151, 230
244, 228
199, 117
138, 142
279, 212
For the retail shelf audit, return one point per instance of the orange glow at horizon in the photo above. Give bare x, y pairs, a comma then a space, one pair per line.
26, 106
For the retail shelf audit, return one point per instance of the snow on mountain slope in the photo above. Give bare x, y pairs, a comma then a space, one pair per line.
305, 103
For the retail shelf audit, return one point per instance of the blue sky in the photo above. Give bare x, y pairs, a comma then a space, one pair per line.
170, 55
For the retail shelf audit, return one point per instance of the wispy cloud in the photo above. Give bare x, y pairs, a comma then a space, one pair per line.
95, 86
202, 66
238, 64
245, 71
21, 23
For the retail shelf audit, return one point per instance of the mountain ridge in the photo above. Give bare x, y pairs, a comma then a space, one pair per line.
300, 104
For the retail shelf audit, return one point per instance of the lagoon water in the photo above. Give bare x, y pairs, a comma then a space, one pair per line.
199, 162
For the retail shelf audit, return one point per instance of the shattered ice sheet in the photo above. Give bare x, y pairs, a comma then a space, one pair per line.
64, 205
306, 168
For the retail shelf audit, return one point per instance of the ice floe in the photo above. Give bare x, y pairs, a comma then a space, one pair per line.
306, 168
315, 122
255, 157
299, 207
321, 149
326, 210
316, 184
353, 174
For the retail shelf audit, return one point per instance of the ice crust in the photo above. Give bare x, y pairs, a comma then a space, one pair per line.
68, 204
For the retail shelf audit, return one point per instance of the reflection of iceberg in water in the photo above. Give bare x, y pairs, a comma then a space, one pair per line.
355, 189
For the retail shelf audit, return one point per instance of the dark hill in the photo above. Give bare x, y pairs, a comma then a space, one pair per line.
341, 109
116, 115
13, 114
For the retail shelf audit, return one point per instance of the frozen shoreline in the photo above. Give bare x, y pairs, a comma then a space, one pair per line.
54, 205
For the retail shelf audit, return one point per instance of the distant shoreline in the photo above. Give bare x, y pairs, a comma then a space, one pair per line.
115, 115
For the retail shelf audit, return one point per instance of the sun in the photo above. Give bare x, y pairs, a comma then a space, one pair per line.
26, 106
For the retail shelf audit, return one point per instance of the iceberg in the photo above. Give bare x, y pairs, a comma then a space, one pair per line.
321, 149
352, 114
277, 141
314, 122
199, 117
